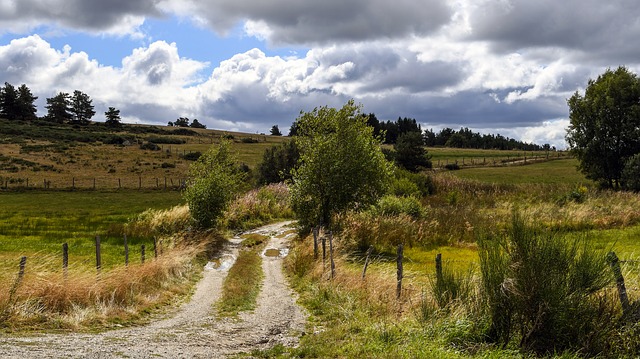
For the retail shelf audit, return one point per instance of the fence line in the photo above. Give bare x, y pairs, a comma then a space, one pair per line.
91, 183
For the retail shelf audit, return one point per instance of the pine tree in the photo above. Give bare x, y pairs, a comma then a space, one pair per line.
81, 107
58, 108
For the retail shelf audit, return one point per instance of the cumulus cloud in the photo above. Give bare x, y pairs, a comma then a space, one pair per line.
319, 22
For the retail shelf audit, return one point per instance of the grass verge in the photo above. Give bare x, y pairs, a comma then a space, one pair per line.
242, 285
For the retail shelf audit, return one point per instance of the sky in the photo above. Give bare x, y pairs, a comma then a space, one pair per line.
494, 66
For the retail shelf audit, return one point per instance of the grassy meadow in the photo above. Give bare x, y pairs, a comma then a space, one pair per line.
349, 316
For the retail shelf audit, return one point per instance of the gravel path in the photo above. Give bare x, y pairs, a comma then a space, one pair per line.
192, 331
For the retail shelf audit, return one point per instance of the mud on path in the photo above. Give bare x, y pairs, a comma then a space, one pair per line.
192, 331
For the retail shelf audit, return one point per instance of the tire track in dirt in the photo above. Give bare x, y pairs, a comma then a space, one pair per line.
192, 331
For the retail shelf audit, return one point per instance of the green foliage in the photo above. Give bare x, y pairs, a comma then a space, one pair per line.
278, 163
81, 107
451, 286
214, 180
197, 124
631, 173
392, 205
406, 183
59, 108
341, 164
604, 128
410, 152
545, 290
113, 117
275, 131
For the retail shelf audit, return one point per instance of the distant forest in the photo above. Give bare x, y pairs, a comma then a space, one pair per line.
448, 137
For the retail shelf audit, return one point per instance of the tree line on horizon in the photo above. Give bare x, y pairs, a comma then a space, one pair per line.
77, 108
391, 131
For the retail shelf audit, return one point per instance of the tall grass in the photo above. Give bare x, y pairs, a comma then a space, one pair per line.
546, 291
258, 207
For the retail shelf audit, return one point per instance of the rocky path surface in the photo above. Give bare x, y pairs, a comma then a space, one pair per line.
192, 331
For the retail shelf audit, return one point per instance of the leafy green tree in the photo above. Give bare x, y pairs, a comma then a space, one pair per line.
26, 107
275, 131
58, 108
214, 180
113, 117
410, 152
631, 173
278, 163
9, 102
604, 128
181, 122
197, 124
341, 164
81, 107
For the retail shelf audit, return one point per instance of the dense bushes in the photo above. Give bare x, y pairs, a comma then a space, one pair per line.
545, 291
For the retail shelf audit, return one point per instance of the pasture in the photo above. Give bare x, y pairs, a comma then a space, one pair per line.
36, 224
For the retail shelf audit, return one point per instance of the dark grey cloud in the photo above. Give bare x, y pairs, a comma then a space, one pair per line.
328, 21
87, 15
472, 108
594, 28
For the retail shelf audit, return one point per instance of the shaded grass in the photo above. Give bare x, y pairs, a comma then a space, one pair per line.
242, 285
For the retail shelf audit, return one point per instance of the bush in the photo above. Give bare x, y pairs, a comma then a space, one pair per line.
149, 146
214, 180
392, 205
258, 207
166, 140
192, 156
546, 291
452, 166
248, 140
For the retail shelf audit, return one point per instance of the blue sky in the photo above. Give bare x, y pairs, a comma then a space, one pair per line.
495, 66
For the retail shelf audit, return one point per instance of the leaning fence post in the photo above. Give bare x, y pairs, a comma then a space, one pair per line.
622, 290
333, 264
142, 253
126, 251
98, 255
366, 261
315, 242
65, 259
399, 273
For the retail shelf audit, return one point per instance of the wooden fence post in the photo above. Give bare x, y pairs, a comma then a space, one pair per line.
315, 242
119, 184
23, 265
324, 250
94, 183
126, 251
333, 264
366, 261
622, 290
155, 247
142, 253
139, 182
438, 268
400, 271
65, 259
98, 255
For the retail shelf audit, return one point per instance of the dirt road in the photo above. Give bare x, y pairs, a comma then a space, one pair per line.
192, 331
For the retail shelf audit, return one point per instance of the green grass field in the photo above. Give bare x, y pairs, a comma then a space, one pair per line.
552, 172
36, 224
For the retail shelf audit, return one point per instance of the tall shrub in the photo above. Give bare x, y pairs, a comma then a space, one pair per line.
545, 290
214, 180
